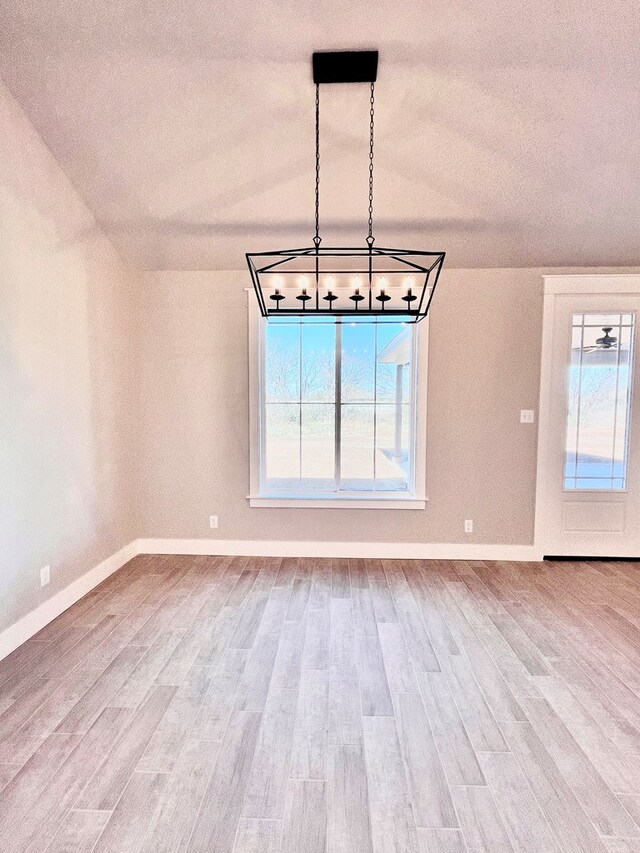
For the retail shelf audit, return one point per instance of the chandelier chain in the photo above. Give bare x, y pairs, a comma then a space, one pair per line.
371, 238
317, 238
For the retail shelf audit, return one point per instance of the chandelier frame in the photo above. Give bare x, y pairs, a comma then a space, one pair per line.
421, 266
345, 281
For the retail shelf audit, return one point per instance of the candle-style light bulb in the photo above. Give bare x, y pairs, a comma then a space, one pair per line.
356, 298
330, 298
382, 296
409, 297
276, 297
302, 296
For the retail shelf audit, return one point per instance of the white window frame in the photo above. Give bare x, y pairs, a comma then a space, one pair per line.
415, 501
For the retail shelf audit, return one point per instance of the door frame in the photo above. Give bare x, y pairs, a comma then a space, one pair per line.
554, 286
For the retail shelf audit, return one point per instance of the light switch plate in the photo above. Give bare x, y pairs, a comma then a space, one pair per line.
527, 416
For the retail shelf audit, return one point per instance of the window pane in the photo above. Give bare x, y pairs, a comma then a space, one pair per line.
358, 362
394, 369
318, 446
392, 458
599, 401
389, 332
599, 320
374, 395
282, 362
386, 376
357, 448
318, 362
394, 344
282, 446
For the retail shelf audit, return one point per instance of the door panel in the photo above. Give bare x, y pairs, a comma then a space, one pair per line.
591, 482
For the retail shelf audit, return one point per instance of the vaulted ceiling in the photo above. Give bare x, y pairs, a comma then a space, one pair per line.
508, 133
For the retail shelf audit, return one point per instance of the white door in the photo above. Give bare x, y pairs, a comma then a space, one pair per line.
588, 501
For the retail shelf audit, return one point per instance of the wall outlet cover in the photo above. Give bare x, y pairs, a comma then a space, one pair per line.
468, 526
45, 575
527, 416
213, 521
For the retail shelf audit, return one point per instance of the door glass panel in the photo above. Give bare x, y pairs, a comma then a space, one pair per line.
599, 401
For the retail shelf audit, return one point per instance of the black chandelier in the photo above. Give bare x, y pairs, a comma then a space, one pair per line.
366, 280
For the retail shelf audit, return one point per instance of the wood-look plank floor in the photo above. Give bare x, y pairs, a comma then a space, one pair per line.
250, 705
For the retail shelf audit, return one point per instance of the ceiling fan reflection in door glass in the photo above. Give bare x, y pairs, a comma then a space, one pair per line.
607, 341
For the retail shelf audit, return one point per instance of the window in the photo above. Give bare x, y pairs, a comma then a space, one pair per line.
596, 446
337, 413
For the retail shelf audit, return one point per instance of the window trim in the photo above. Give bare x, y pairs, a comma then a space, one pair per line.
415, 501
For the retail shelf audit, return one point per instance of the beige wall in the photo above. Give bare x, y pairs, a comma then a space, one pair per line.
66, 394
483, 368
484, 365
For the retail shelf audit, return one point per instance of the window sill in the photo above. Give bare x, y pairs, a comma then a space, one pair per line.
358, 502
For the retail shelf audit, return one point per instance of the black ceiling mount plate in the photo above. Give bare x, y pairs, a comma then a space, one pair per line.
345, 66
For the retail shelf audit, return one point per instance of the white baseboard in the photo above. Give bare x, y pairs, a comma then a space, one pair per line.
385, 550
21, 631
24, 628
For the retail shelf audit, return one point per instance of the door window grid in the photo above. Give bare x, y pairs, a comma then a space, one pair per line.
599, 403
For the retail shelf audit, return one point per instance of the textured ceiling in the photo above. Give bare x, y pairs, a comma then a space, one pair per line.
508, 133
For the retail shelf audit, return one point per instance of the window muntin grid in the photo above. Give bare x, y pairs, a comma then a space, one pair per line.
599, 403
330, 399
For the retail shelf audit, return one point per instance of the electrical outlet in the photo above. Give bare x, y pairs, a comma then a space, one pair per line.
527, 416
468, 525
213, 521
45, 576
